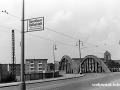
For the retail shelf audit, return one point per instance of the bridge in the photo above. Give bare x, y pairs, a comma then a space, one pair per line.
94, 68
89, 64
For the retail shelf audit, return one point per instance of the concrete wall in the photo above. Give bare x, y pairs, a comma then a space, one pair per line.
36, 76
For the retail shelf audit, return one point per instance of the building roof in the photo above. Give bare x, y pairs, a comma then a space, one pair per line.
117, 61
77, 58
102, 59
35, 59
107, 53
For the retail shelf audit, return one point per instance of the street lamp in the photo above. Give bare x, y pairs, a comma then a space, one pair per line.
54, 48
80, 42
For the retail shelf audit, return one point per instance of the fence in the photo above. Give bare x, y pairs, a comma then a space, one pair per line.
36, 76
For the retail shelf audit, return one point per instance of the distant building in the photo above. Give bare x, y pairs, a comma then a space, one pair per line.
50, 67
17, 69
77, 60
107, 56
36, 65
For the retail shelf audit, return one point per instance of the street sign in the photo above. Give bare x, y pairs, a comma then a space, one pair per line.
35, 24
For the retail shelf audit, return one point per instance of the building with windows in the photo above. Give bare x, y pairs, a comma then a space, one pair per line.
36, 66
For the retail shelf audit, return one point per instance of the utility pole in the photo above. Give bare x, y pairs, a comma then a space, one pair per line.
54, 48
79, 50
13, 55
22, 84
80, 55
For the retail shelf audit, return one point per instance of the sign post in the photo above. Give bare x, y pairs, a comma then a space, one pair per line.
34, 24
22, 84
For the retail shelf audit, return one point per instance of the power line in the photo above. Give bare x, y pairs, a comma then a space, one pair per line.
92, 51
9, 28
37, 36
4, 11
61, 33
73, 38
41, 37
57, 32
63, 43
49, 39
14, 16
97, 46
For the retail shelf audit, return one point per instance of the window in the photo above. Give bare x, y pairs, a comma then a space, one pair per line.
31, 62
32, 68
40, 62
40, 65
40, 68
32, 65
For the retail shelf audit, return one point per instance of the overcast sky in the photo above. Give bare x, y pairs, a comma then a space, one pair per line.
93, 21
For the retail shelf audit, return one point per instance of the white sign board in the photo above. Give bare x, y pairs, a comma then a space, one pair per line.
35, 24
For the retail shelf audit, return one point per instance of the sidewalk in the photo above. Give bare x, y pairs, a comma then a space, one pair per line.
65, 76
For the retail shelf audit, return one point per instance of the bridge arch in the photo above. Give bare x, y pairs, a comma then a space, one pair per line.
92, 64
67, 65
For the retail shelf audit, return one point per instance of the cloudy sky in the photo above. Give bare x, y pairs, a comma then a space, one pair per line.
95, 22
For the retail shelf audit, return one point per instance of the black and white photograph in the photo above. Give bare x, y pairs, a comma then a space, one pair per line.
59, 44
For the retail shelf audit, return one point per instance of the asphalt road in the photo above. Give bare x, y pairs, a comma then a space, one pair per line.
112, 85
79, 83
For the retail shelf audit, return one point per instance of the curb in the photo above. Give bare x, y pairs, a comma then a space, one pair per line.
37, 81
53, 79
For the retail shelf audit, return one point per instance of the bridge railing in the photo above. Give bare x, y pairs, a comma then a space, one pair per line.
114, 69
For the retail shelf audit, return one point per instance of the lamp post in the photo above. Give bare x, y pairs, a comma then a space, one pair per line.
22, 84
54, 48
80, 42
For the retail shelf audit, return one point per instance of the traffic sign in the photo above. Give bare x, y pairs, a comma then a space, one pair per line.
35, 24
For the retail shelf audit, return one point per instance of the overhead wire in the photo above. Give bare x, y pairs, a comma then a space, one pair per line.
73, 38
92, 51
9, 28
47, 39
63, 34
4, 11
55, 32
39, 36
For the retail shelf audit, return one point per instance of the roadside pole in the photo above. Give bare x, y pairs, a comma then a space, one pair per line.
22, 83
54, 48
80, 55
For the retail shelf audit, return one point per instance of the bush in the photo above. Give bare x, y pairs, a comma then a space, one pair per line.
8, 78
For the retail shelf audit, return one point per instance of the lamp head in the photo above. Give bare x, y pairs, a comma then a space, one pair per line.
55, 47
